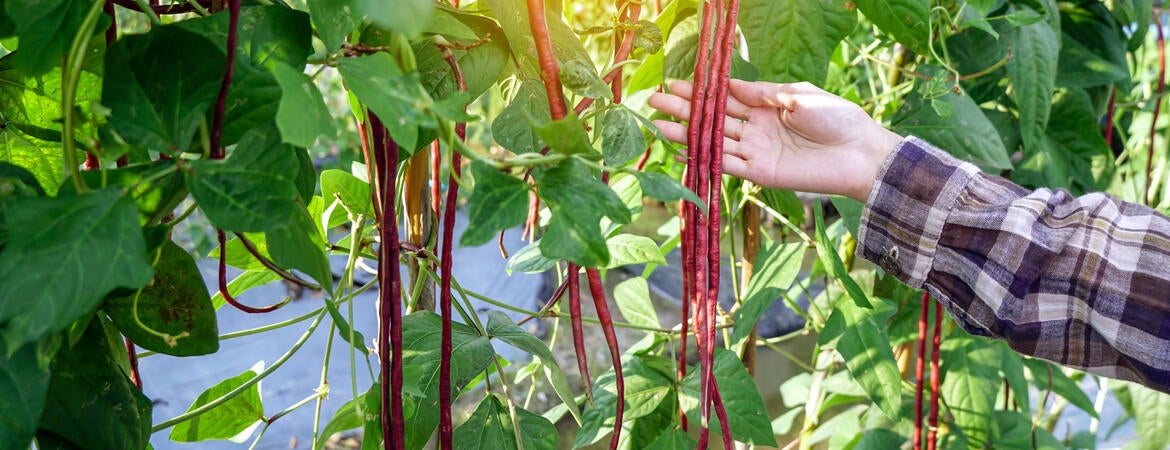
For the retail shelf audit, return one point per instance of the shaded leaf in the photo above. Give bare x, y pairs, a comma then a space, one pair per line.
745, 408
578, 202
513, 128
529, 260
499, 326
399, 99
490, 427
966, 133
24, 383
1032, 68
46, 29
906, 20
646, 388
792, 40
621, 137
253, 189
498, 202
776, 268
970, 381
662, 187
302, 116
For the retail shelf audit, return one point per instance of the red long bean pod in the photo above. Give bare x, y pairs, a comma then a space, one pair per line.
935, 376
578, 332
448, 224
1157, 104
603, 315
549, 71
367, 153
920, 370
389, 301
1109, 112
622, 48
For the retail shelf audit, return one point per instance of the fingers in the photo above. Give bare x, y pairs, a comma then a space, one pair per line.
674, 105
674, 131
685, 90
772, 94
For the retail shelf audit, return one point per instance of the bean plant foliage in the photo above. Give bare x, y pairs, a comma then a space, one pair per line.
123, 121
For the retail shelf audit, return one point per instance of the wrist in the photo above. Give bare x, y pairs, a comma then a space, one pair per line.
875, 150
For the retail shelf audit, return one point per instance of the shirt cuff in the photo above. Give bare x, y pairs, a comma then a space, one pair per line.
908, 205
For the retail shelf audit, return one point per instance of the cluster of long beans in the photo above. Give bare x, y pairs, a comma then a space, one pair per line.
700, 231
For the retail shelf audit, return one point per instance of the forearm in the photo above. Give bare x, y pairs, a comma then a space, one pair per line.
1080, 281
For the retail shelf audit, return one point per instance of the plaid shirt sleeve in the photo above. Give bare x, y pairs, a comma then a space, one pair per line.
1081, 281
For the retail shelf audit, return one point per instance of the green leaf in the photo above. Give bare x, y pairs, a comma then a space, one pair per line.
41, 158
513, 18
662, 187
46, 29
745, 408
776, 268
673, 439
633, 300
792, 40
566, 136
1061, 384
626, 249
83, 247
302, 116
471, 354
833, 264
157, 187
1012, 368
621, 137
906, 20
32, 104
233, 420
1073, 154
253, 189
482, 65
499, 326
298, 245
1152, 416
91, 403
498, 202
860, 337
1012, 429
680, 48
247, 280
966, 133
513, 129
332, 20
1032, 68
785, 202
409, 17
175, 302
529, 260
23, 386
490, 427
646, 388
352, 191
969, 383
159, 85
578, 201
381, 86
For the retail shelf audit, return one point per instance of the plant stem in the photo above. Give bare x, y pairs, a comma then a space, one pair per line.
247, 384
71, 77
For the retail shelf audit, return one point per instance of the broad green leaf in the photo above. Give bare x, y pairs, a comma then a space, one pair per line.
1080, 67
175, 302
641, 432
1032, 68
859, 335
633, 300
1061, 384
41, 158
776, 268
1152, 414
1073, 155
353, 414
679, 50
662, 187
966, 133
409, 17
23, 386
498, 201
621, 137
499, 326
785, 202
646, 388
513, 18
159, 85
673, 439
1012, 368
91, 402
626, 249
247, 280
792, 40
46, 29
1091, 32
253, 189
471, 354
969, 384
566, 136
302, 116
1012, 429
745, 408
157, 187
529, 260
906, 20
491, 427
648, 74
332, 21
297, 245
83, 247
233, 420
833, 264
482, 65
578, 201
32, 104
353, 192
880, 440
239, 257
399, 99
513, 128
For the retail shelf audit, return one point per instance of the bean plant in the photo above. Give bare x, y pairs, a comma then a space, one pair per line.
128, 124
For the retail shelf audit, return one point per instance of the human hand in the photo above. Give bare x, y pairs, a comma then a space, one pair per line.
790, 136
